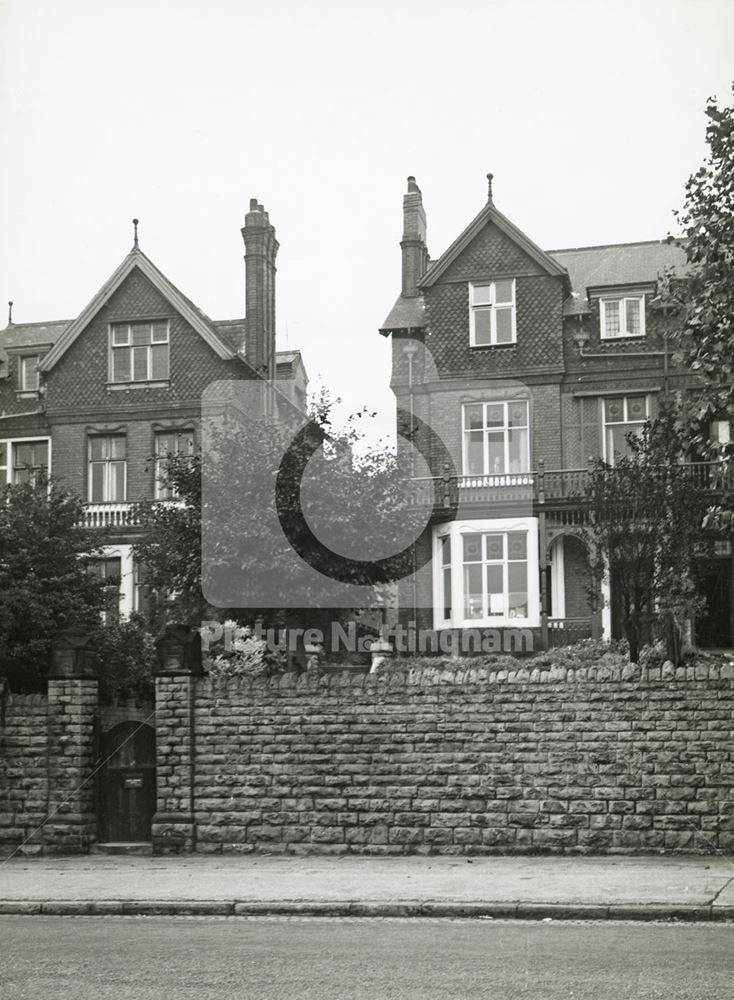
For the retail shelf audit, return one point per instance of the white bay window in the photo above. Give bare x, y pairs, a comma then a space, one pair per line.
486, 573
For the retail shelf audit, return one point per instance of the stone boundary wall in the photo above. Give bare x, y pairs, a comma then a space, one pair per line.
603, 759
46, 767
23, 768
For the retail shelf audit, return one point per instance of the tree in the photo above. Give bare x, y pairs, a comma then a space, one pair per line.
340, 491
45, 582
645, 525
707, 222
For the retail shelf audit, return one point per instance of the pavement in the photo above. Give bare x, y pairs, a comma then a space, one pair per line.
602, 888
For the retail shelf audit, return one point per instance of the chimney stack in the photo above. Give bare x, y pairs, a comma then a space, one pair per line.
413, 243
261, 248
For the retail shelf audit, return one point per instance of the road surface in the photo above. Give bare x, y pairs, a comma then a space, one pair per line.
200, 958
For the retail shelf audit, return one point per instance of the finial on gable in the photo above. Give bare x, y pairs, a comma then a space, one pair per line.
10, 313
489, 186
135, 228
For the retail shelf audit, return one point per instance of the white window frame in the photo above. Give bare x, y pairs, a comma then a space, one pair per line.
623, 331
127, 345
7, 470
28, 365
161, 492
492, 306
609, 458
456, 530
505, 403
107, 473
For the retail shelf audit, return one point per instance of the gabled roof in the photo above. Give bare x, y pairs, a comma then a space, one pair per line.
408, 313
616, 265
137, 259
489, 214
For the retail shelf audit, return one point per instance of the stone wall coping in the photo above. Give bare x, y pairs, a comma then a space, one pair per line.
426, 678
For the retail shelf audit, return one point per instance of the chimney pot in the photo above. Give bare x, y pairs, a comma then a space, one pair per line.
253, 204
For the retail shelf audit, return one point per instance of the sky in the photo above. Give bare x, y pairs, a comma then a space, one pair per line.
589, 114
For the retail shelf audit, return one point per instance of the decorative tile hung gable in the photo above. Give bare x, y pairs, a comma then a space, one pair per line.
136, 260
490, 305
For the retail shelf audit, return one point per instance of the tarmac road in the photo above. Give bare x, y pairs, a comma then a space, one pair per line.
203, 958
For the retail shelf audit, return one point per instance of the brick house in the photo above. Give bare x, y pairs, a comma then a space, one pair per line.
525, 363
99, 401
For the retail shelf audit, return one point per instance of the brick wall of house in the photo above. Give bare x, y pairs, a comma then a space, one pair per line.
603, 760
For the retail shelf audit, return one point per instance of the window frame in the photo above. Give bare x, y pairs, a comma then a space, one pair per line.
167, 493
622, 299
456, 530
605, 425
7, 467
23, 373
130, 347
492, 307
108, 462
465, 431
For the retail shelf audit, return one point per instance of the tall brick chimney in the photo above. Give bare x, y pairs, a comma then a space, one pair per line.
261, 248
413, 243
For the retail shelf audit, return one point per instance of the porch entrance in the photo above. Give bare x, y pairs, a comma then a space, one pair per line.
714, 625
127, 791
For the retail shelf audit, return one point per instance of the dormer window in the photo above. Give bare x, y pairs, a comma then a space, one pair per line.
492, 313
28, 373
139, 352
622, 316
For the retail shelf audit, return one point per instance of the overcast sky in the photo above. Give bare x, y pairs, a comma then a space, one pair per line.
589, 114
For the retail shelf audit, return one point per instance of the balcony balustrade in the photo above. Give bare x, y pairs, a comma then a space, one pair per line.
543, 486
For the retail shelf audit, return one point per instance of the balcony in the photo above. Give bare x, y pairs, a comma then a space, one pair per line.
559, 487
112, 515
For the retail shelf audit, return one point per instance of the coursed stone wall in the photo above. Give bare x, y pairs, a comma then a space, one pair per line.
596, 760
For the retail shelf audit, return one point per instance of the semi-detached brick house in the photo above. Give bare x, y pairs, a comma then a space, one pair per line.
94, 400
526, 363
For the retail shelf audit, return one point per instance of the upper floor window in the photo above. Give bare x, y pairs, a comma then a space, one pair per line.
28, 373
107, 468
496, 438
622, 316
167, 445
492, 313
623, 415
22, 461
139, 352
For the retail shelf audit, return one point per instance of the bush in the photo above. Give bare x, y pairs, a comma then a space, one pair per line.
125, 660
242, 655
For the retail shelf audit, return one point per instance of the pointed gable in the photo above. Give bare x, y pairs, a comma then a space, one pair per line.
473, 251
137, 261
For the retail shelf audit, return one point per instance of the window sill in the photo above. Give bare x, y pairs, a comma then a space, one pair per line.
27, 394
616, 340
118, 386
491, 347
490, 623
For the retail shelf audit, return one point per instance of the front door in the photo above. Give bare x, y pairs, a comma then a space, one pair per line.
127, 786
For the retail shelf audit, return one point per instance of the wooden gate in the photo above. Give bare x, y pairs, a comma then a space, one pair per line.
127, 785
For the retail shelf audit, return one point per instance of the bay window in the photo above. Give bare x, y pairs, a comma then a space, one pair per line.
485, 573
